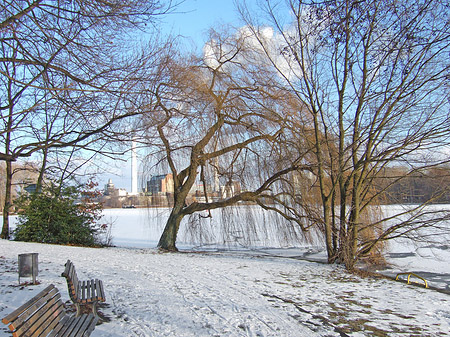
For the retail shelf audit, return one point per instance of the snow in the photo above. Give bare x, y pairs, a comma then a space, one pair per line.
269, 290
428, 258
228, 294
143, 227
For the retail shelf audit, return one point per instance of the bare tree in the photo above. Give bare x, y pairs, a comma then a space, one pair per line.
216, 119
66, 70
374, 77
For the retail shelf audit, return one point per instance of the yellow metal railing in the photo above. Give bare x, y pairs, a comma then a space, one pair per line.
415, 275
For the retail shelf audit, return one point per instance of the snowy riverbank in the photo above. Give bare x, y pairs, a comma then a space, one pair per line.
228, 294
141, 228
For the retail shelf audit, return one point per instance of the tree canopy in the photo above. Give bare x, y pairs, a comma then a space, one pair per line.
67, 71
373, 77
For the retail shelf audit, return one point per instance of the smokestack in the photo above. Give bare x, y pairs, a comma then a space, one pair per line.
134, 175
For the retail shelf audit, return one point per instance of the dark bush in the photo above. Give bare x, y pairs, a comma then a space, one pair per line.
57, 215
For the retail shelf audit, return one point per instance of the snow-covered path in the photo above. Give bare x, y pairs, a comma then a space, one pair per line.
196, 294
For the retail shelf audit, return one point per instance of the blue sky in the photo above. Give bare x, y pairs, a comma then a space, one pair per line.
193, 18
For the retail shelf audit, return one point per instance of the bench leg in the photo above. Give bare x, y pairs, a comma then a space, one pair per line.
87, 308
94, 309
77, 305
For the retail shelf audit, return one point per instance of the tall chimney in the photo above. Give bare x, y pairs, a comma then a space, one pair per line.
134, 175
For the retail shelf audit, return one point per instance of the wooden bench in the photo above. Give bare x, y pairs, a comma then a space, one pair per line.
83, 293
44, 315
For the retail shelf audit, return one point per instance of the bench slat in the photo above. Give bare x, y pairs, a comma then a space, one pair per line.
78, 325
90, 293
34, 311
59, 326
100, 291
88, 325
57, 317
44, 318
36, 318
82, 325
68, 326
85, 291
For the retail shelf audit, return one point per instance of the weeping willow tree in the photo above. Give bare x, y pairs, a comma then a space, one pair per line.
217, 126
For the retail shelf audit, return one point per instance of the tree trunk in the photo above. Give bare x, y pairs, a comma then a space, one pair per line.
328, 232
169, 236
7, 205
354, 223
40, 179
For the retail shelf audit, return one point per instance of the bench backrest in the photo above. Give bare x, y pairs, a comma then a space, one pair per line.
72, 280
39, 315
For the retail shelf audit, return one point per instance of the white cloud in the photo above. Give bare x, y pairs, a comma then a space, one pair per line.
259, 46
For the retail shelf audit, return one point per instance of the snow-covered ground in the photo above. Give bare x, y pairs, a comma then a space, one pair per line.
143, 227
228, 294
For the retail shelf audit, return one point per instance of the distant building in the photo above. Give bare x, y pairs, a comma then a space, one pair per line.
109, 188
160, 184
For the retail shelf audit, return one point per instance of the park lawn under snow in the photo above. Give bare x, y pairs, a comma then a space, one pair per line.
228, 294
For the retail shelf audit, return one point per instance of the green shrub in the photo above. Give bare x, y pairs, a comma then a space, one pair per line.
58, 215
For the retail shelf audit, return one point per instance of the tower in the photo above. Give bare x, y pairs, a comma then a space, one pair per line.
134, 175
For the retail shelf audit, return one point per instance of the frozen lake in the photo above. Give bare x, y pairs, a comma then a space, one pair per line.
238, 227
136, 228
